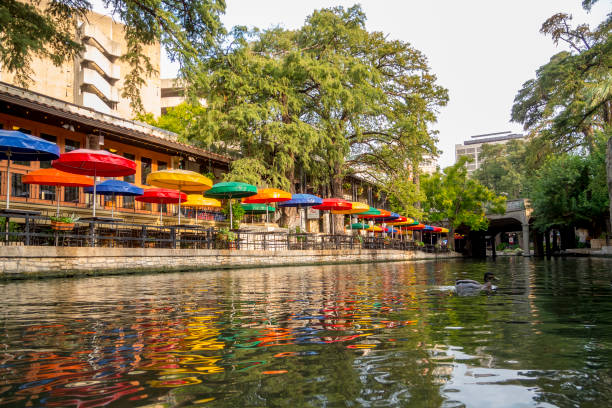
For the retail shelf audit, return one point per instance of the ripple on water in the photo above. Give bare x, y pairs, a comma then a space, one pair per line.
354, 335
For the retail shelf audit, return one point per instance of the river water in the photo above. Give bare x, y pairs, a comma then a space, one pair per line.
373, 335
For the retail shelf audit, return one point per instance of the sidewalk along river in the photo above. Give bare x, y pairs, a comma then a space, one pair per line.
320, 336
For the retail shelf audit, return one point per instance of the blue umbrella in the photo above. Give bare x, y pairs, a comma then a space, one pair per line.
115, 187
393, 216
300, 201
15, 145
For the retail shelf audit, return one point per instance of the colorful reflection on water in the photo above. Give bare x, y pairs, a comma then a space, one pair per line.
355, 335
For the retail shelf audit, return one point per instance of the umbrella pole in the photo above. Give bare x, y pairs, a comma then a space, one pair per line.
94, 193
8, 179
113, 207
231, 214
179, 217
57, 199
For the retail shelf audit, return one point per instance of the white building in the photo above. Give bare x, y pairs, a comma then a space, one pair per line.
473, 147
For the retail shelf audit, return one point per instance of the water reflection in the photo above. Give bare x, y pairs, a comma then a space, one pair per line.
355, 335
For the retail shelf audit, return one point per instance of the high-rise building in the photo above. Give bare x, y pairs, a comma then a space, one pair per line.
473, 147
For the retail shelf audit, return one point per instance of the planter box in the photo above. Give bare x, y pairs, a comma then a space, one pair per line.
598, 243
62, 226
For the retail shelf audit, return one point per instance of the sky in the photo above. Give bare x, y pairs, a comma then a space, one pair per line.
482, 51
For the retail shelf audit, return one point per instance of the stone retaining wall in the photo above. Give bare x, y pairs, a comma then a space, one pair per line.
23, 262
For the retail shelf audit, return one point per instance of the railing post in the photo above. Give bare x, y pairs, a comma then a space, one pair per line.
143, 236
173, 236
92, 233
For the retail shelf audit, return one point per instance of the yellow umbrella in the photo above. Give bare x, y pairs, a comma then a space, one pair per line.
409, 221
181, 180
375, 228
198, 200
356, 208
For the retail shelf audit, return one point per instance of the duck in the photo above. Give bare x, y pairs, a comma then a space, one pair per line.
469, 287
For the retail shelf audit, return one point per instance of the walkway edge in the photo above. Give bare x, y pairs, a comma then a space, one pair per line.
23, 262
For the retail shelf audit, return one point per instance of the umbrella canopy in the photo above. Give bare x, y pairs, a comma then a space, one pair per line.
359, 226
15, 145
371, 213
437, 229
444, 230
417, 227
231, 189
255, 208
381, 214
392, 230
162, 196
182, 180
428, 228
95, 163
356, 207
333, 204
408, 221
54, 177
302, 200
375, 228
57, 178
268, 195
115, 187
198, 200
391, 217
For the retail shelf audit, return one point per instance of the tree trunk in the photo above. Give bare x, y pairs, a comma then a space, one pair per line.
609, 173
547, 243
451, 237
336, 191
289, 216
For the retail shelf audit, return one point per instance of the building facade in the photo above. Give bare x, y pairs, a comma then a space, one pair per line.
473, 147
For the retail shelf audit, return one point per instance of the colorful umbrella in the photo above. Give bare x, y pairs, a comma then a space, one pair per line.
115, 188
300, 201
371, 213
57, 178
356, 208
359, 226
15, 145
330, 204
257, 208
181, 180
162, 196
267, 196
198, 200
229, 190
95, 163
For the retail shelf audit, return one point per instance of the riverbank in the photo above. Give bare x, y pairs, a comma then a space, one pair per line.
30, 262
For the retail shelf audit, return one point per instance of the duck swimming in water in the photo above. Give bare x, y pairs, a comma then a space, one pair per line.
468, 287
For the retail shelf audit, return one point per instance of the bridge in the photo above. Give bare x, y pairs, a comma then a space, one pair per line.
517, 218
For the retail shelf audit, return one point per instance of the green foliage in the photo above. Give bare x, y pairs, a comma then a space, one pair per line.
404, 195
225, 235
13, 227
571, 96
571, 189
503, 168
237, 212
69, 219
324, 98
177, 119
187, 31
455, 199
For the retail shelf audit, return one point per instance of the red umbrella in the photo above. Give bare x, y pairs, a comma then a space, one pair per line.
162, 196
334, 204
95, 163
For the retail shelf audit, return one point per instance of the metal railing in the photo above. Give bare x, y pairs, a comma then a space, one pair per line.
37, 230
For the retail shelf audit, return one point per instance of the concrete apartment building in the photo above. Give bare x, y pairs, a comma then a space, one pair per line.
473, 147
94, 80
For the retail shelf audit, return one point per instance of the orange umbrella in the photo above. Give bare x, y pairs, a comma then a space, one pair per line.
57, 178
267, 196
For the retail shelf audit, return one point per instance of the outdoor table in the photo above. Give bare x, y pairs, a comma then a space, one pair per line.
7, 214
92, 224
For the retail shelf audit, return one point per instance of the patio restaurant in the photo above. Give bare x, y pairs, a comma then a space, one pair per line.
36, 129
73, 127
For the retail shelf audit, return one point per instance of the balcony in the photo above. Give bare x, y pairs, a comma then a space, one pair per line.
93, 58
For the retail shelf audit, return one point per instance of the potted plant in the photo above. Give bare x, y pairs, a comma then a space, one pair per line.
225, 235
64, 222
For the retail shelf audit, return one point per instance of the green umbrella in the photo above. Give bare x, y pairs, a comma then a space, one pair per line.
229, 190
359, 225
257, 208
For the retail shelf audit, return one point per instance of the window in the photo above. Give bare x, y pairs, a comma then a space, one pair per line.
162, 165
131, 178
145, 169
71, 194
128, 202
29, 132
18, 188
46, 193
47, 163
